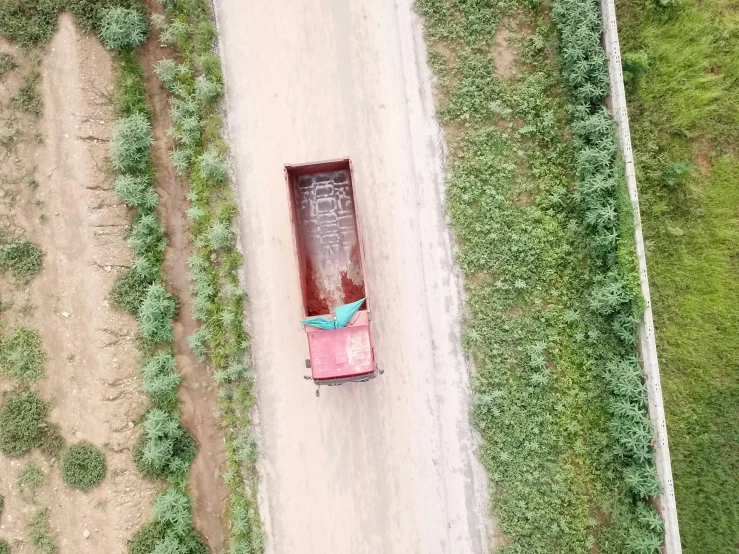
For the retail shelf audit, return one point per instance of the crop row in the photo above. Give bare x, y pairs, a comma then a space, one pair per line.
195, 82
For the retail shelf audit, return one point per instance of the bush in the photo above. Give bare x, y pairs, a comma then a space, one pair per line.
22, 424
157, 313
39, 533
212, 166
146, 239
172, 508
634, 65
207, 90
165, 449
21, 257
83, 466
160, 380
130, 290
4, 547
22, 356
156, 537
131, 142
31, 477
136, 192
122, 28
2, 505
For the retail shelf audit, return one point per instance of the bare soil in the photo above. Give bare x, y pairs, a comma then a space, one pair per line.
65, 202
198, 394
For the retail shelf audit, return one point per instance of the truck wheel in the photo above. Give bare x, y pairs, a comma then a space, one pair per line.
307, 363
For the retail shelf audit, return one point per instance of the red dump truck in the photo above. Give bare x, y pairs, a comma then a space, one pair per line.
329, 251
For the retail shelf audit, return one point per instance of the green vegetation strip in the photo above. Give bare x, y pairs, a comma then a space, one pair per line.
683, 60
540, 209
195, 82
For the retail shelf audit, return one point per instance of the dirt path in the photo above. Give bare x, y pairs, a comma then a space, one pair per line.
387, 466
199, 397
91, 374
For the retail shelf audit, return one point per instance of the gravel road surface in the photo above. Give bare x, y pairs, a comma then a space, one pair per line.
381, 467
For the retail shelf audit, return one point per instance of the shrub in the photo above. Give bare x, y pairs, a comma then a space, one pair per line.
220, 235
136, 191
122, 28
156, 314
172, 508
83, 466
156, 537
39, 532
643, 481
4, 547
129, 147
22, 423
21, 257
160, 379
130, 290
22, 356
146, 239
165, 449
207, 90
31, 477
2, 505
634, 65
212, 166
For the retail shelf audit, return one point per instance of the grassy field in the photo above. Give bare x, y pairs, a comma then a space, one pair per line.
684, 112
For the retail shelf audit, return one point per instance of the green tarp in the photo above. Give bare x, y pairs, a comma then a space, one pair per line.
343, 316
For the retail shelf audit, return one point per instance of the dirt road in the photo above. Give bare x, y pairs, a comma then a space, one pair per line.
386, 466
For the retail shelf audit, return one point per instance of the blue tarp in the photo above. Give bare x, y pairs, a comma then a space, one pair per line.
343, 316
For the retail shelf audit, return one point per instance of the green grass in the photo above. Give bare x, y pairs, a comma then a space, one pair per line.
39, 533
684, 113
28, 97
31, 477
538, 204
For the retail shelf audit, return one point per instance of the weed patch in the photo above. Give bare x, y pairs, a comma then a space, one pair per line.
22, 356
21, 257
39, 533
559, 395
83, 466
28, 97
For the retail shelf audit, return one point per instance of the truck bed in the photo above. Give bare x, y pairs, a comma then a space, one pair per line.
326, 235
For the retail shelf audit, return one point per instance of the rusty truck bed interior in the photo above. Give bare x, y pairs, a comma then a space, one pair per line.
326, 235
